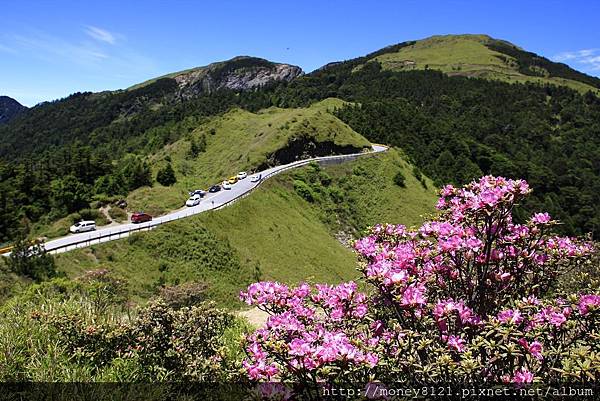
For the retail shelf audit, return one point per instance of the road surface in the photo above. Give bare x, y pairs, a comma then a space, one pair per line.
209, 202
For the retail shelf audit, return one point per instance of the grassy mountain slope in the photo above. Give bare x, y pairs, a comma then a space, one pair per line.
240, 141
484, 57
273, 234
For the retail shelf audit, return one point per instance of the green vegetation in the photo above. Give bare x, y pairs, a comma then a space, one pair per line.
166, 176
241, 141
85, 330
274, 234
30, 260
453, 128
483, 57
354, 196
117, 214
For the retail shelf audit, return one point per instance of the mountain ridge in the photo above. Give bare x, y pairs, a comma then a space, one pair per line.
454, 127
481, 56
9, 108
237, 73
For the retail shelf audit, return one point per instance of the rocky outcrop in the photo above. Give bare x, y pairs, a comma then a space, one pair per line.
304, 147
9, 108
240, 73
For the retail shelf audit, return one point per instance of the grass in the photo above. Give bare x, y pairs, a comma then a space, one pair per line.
117, 214
238, 141
273, 234
369, 187
465, 55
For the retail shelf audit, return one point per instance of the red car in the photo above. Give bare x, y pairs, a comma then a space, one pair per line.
140, 217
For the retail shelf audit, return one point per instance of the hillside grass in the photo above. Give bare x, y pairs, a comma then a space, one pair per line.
238, 141
369, 188
273, 234
466, 55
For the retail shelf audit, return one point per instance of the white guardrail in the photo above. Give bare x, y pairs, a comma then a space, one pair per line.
126, 229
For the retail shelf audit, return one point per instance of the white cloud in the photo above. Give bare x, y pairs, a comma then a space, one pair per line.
48, 46
101, 35
586, 59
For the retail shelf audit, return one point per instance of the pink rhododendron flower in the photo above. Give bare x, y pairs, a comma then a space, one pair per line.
540, 218
523, 376
413, 296
456, 343
588, 302
510, 316
470, 273
535, 348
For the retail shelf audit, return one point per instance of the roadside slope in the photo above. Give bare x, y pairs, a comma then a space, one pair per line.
244, 141
274, 234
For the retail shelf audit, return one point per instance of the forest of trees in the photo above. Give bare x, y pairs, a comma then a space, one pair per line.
59, 156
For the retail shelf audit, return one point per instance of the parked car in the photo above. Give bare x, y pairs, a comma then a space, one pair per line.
226, 185
241, 175
214, 188
83, 226
200, 192
140, 217
232, 180
193, 201
255, 178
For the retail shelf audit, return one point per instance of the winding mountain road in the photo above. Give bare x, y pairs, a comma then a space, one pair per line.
211, 201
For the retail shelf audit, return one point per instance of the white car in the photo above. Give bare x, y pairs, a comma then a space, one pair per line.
83, 226
255, 178
225, 185
194, 200
241, 175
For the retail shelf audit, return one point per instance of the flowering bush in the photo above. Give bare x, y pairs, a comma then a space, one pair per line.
465, 298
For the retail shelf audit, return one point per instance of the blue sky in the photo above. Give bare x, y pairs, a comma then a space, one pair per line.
50, 49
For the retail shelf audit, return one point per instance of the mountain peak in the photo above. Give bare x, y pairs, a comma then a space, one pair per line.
481, 56
9, 108
238, 73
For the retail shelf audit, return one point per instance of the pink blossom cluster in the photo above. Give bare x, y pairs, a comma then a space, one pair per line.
487, 193
449, 313
535, 348
447, 283
588, 303
304, 329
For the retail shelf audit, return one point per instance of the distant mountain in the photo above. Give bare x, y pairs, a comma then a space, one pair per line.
527, 118
9, 108
110, 118
239, 73
481, 56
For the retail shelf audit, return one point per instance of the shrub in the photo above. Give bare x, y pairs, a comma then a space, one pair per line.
400, 179
157, 343
304, 190
183, 295
166, 176
117, 214
417, 173
31, 260
103, 289
90, 214
465, 298
197, 147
